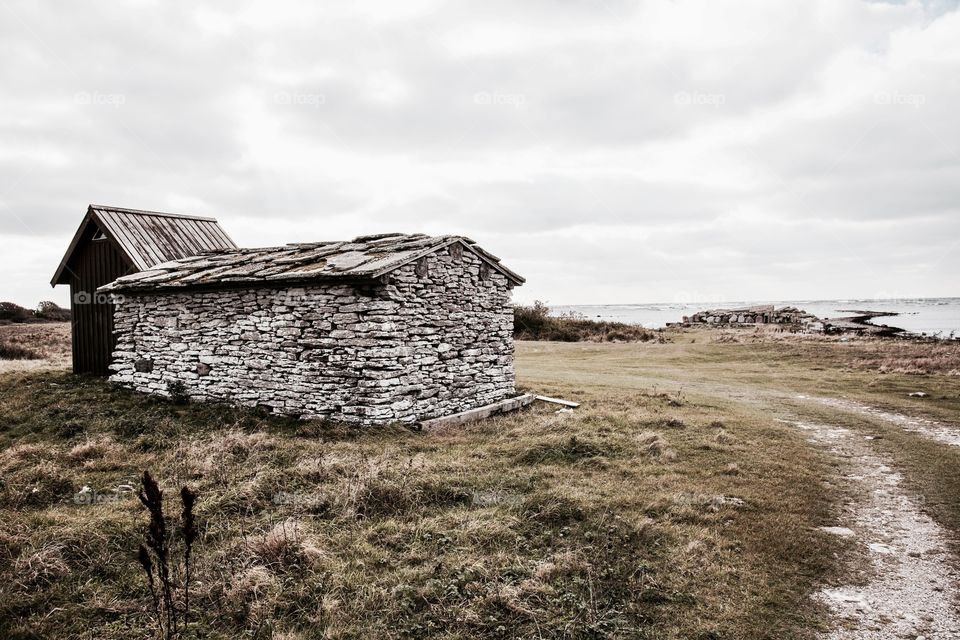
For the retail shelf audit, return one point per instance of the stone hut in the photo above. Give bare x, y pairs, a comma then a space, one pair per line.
380, 329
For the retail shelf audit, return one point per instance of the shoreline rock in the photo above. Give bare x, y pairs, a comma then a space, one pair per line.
794, 319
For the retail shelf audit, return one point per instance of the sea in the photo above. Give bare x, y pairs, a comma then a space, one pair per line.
922, 316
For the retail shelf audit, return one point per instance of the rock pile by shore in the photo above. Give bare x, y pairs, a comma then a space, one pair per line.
763, 314
792, 319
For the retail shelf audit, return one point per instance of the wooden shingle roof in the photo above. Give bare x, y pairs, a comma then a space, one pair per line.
149, 238
365, 257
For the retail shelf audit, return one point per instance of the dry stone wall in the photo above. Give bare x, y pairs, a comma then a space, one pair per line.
435, 339
765, 314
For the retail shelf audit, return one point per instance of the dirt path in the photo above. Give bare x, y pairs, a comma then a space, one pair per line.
912, 588
922, 426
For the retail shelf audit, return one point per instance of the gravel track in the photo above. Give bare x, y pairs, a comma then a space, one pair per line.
913, 587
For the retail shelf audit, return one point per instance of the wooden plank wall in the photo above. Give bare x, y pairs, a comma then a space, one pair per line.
97, 263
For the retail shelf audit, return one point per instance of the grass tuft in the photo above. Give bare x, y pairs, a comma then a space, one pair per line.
43, 565
723, 437
10, 351
566, 451
655, 446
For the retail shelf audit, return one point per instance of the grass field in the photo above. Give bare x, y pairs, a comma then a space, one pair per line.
34, 345
673, 503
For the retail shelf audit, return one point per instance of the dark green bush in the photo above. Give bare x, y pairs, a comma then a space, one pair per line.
11, 312
178, 392
52, 312
535, 323
530, 320
45, 312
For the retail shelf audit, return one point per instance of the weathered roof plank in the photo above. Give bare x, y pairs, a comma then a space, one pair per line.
361, 258
148, 238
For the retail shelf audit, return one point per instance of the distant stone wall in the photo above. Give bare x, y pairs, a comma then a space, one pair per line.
766, 314
436, 339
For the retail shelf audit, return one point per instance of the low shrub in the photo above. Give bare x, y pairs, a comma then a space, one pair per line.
177, 390
13, 351
12, 312
46, 311
52, 312
535, 323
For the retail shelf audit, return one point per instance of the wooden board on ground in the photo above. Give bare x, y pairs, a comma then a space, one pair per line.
504, 406
566, 403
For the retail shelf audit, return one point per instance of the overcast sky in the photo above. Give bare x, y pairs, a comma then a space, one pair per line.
609, 151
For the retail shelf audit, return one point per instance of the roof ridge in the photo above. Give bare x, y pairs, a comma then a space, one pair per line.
145, 212
380, 236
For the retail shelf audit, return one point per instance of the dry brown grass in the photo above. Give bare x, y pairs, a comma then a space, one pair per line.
766, 334
909, 357
42, 344
655, 445
35, 566
9, 351
655, 510
723, 437
884, 355
621, 519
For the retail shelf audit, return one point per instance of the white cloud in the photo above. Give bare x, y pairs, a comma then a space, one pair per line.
611, 151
